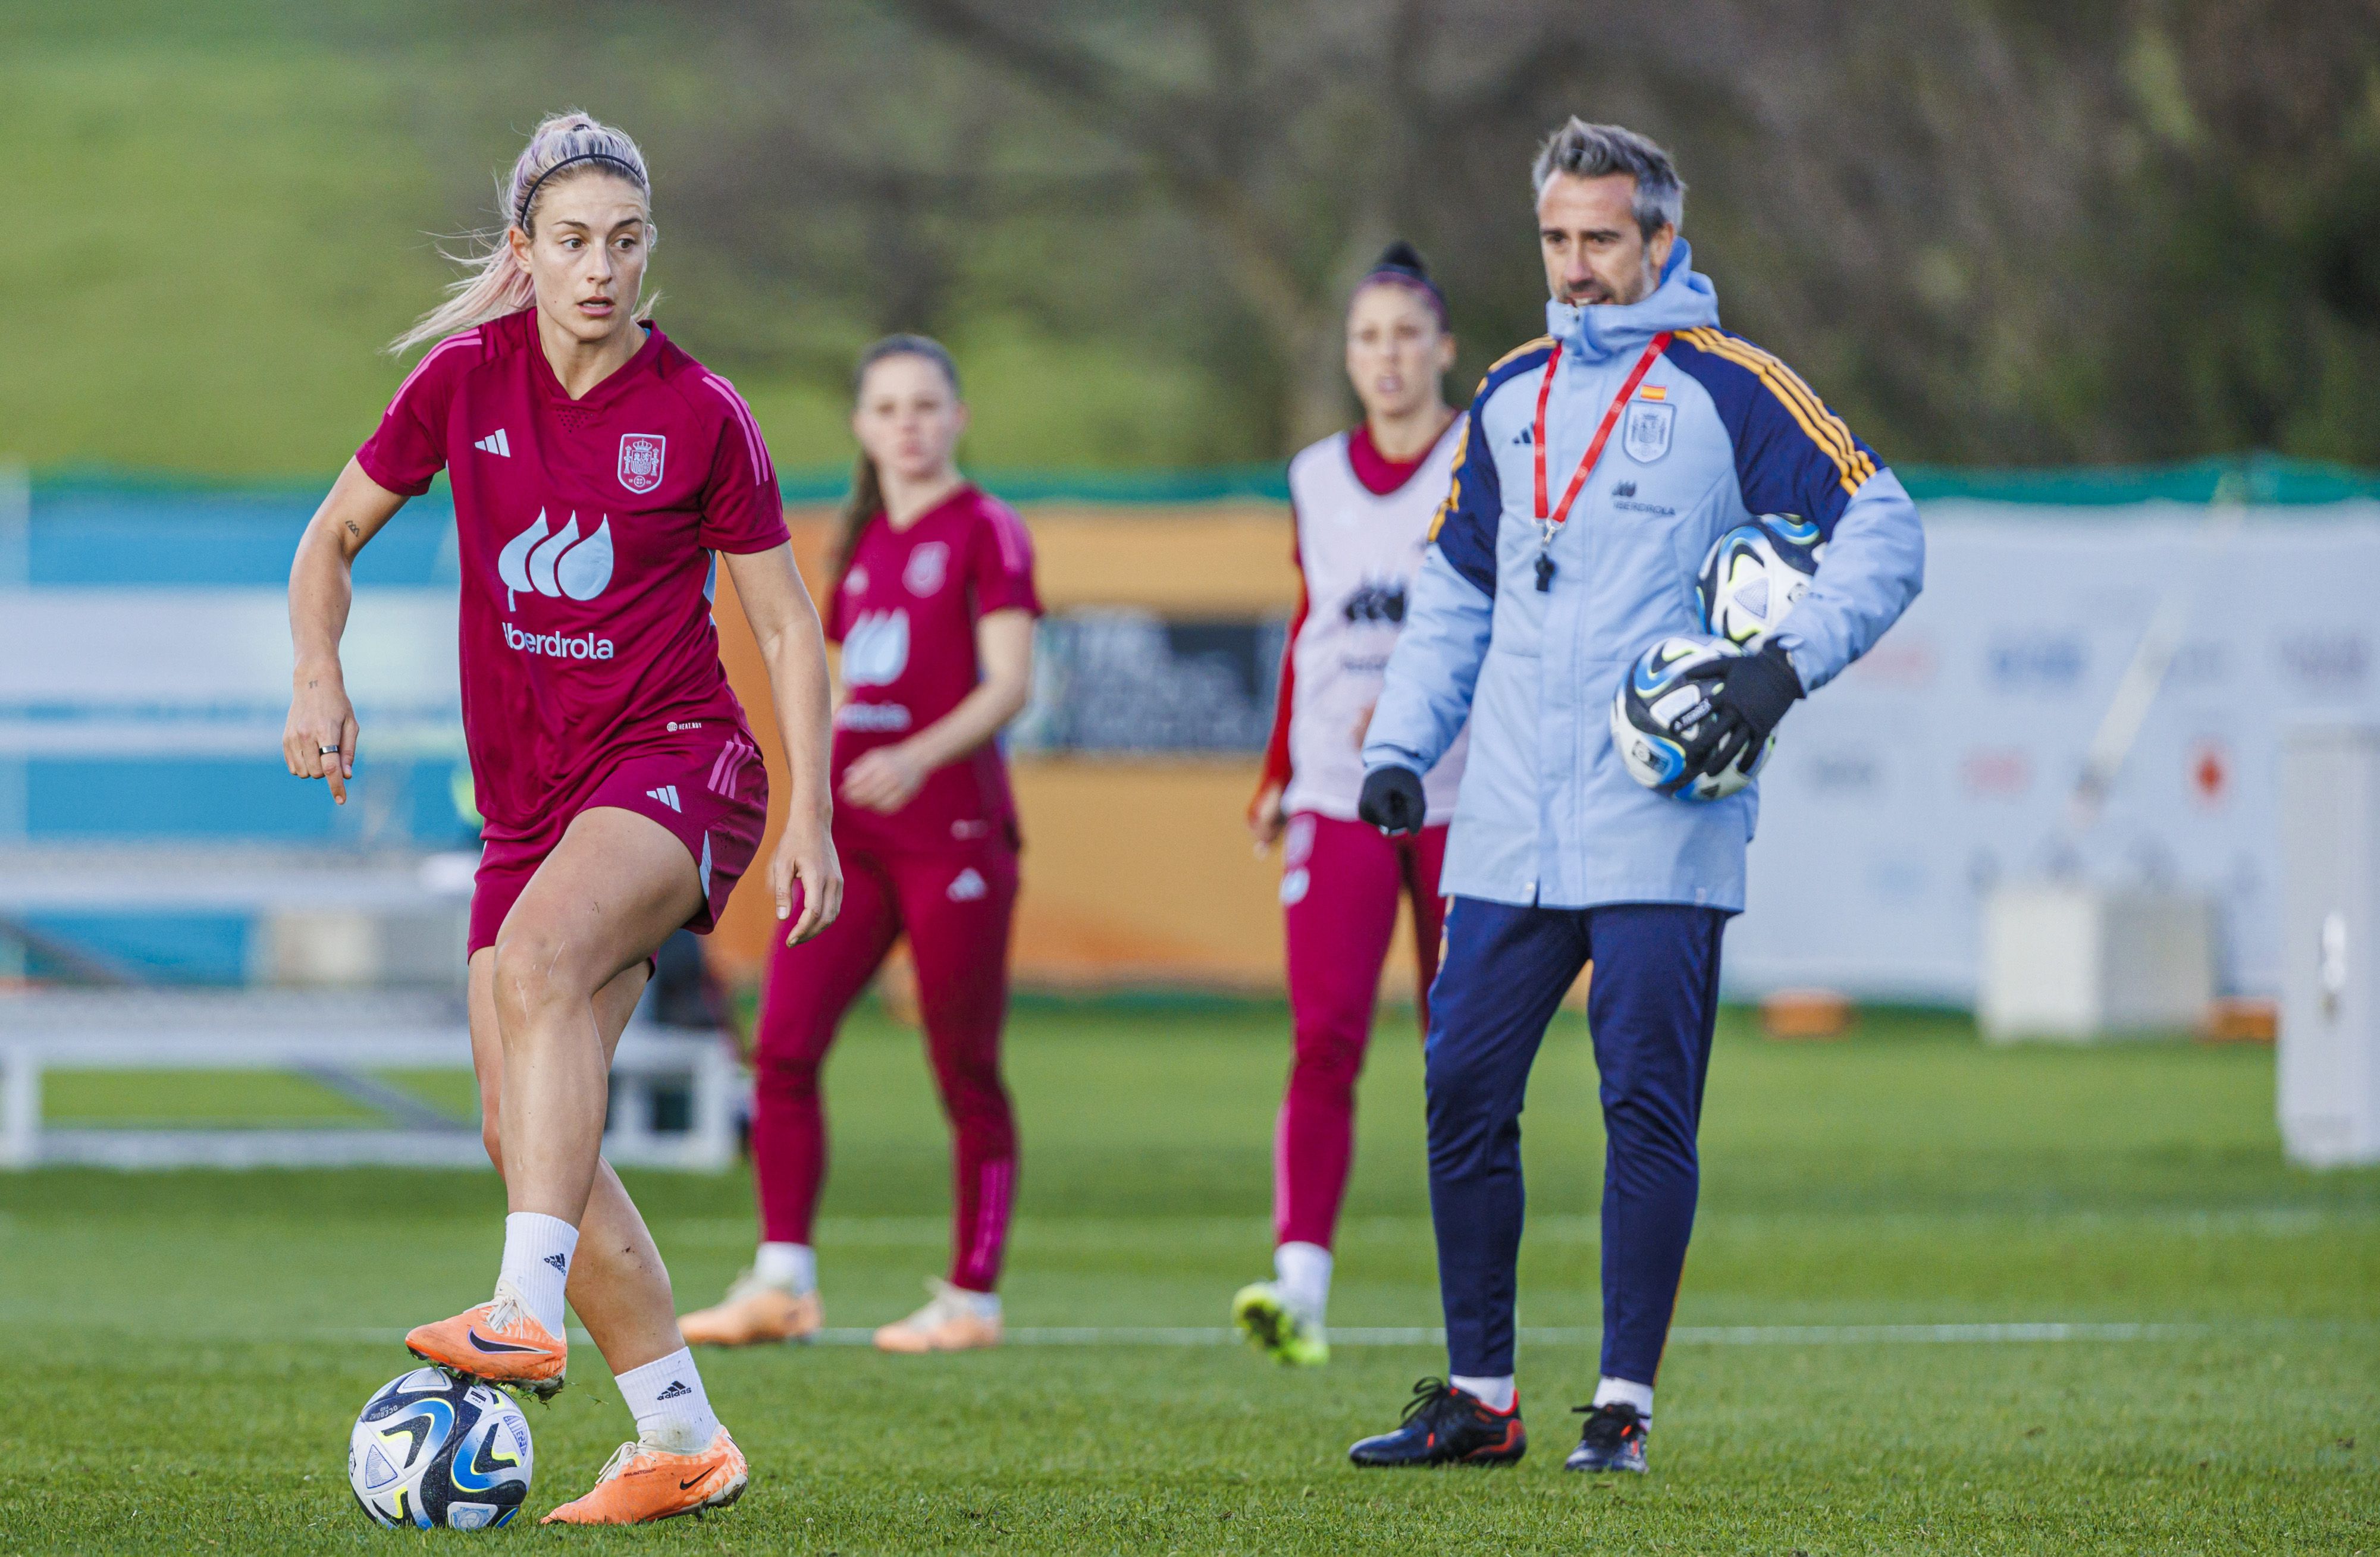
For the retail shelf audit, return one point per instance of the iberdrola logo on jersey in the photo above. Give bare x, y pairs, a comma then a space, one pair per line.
558, 565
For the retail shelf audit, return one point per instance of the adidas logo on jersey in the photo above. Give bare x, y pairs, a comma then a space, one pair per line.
667, 795
1625, 489
967, 886
495, 443
1525, 437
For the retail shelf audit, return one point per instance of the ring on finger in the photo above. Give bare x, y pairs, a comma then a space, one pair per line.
330, 751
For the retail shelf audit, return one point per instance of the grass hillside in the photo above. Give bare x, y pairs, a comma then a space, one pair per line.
224, 212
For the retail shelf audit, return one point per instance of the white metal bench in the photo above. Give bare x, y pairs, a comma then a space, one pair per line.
86, 878
336, 1039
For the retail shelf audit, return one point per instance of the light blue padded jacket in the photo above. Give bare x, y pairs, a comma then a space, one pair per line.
1717, 431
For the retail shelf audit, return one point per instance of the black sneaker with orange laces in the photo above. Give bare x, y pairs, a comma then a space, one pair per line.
1446, 1426
1613, 1439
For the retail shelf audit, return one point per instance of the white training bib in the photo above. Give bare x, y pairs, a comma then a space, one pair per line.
1360, 553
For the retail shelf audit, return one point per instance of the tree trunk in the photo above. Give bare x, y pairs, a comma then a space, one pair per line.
1316, 399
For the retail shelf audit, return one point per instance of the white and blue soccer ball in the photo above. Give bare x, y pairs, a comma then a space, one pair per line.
1659, 706
1756, 574
432, 1450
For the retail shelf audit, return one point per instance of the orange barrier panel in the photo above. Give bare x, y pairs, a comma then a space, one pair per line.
1141, 874
1214, 560
1221, 560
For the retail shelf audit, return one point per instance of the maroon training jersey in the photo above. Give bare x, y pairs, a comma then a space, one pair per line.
587, 530
905, 614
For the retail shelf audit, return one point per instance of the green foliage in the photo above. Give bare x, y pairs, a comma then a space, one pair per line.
189, 1348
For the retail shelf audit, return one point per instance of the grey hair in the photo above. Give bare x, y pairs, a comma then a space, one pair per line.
1585, 151
562, 147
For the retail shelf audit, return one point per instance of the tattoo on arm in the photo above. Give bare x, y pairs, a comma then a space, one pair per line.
355, 529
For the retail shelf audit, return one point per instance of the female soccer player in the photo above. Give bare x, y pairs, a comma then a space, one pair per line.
933, 606
598, 472
1362, 503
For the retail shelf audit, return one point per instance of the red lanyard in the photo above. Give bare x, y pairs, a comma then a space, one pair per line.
1553, 523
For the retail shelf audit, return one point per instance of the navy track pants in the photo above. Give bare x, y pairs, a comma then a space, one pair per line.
1650, 1008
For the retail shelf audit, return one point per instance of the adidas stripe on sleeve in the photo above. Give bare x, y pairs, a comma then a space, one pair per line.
408, 448
1792, 454
742, 510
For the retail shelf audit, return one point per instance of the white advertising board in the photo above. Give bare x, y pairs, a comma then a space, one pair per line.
1943, 762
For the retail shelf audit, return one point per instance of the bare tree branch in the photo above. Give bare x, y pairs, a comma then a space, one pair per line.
1136, 113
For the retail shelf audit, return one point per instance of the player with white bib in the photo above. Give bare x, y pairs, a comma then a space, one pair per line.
1362, 502
934, 606
600, 476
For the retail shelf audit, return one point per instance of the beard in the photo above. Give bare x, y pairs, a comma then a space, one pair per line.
1593, 293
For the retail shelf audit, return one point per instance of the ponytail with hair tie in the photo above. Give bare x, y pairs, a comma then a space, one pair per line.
1401, 264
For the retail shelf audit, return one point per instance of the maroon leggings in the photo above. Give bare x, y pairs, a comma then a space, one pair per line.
955, 909
1339, 891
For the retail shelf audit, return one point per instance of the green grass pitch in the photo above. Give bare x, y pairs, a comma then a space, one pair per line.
187, 1351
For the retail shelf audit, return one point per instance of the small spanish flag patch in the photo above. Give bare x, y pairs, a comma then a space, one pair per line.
1653, 391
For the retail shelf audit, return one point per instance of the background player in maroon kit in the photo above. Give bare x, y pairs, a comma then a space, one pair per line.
598, 474
1362, 502
933, 606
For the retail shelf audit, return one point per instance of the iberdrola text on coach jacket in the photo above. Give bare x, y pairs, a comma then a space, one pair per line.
1719, 430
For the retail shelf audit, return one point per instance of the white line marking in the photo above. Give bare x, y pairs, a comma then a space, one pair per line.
2034, 1332
1582, 1335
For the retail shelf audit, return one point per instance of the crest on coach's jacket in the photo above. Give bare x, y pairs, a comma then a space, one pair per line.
1644, 432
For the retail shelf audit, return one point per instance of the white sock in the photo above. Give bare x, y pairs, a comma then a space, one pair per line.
983, 1305
672, 1409
1626, 1392
793, 1266
1301, 1272
1497, 1395
537, 1263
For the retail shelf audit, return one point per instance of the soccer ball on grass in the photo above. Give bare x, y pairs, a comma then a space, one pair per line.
432, 1449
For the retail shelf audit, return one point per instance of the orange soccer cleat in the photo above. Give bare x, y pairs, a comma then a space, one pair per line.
641, 1483
500, 1342
753, 1313
953, 1321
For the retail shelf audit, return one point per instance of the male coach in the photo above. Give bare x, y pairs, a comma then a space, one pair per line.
1563, 552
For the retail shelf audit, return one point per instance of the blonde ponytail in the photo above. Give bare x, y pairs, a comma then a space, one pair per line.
495, 285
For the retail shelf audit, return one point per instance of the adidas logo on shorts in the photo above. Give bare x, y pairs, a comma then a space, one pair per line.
667, 795
967, 886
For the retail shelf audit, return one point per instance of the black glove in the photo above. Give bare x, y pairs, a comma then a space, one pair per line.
1392, 800
1758, 689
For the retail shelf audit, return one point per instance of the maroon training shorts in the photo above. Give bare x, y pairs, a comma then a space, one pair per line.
709, 791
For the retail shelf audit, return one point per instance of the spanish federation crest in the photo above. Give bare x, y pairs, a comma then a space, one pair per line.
928, 566
1644, 432
640, 460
